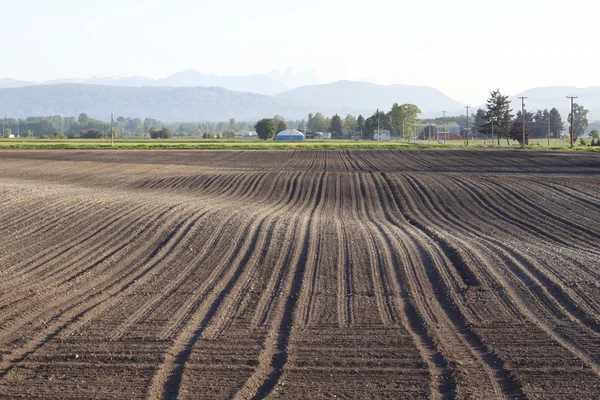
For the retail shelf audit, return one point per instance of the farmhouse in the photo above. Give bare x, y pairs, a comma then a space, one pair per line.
449, 136
246, 134
289, 135
322, 135
381, 136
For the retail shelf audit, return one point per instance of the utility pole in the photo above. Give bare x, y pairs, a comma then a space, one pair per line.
112, 133
3, 122
572, 116
548, 130
445, 129
492, 119
467, 132
523, 117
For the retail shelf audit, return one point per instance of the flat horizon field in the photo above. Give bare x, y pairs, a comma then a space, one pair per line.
381, 274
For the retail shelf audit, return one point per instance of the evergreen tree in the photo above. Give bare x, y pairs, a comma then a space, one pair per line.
379, 120
336, 126
360, 124
556, 123
498, 116
478, 122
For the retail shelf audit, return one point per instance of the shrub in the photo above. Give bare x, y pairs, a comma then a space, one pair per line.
57, 135
583, 142
91, 134
164, 133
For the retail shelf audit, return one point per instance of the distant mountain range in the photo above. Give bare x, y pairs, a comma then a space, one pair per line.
163, 103
356, 97
192, 96
182, 102
269, 84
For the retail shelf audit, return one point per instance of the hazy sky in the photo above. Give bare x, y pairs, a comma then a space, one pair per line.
464, 47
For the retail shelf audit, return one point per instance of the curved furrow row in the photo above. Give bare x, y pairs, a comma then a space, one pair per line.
463, 268
545, 281
287, 274
412, 316
314, 269
77, 310
168, 378
93, 227
37, 240
378, 277
514, 215
192, 273
271, 291
20, 307
499, 223
258, 265
546, 217
461, 341
22, 214
176, 279
276, 351
144, 264
343, 265
509, 217
549, 283
497, 280
570, 193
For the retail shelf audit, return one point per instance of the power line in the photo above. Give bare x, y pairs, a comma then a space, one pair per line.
549, 100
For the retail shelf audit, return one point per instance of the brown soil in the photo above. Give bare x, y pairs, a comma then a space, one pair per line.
350, 274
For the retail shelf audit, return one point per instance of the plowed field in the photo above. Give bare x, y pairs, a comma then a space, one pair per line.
338, 274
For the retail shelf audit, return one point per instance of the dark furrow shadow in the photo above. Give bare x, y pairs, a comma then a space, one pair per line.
285, 327
173, 384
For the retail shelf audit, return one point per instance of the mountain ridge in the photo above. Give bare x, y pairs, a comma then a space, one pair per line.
203, 103
354, 95
340, 97
269, 83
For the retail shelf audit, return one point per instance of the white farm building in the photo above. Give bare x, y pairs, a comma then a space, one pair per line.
247, 134
289, 135
382, 136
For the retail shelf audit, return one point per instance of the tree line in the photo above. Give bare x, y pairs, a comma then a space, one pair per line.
399, 121
497, 121
90, 128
